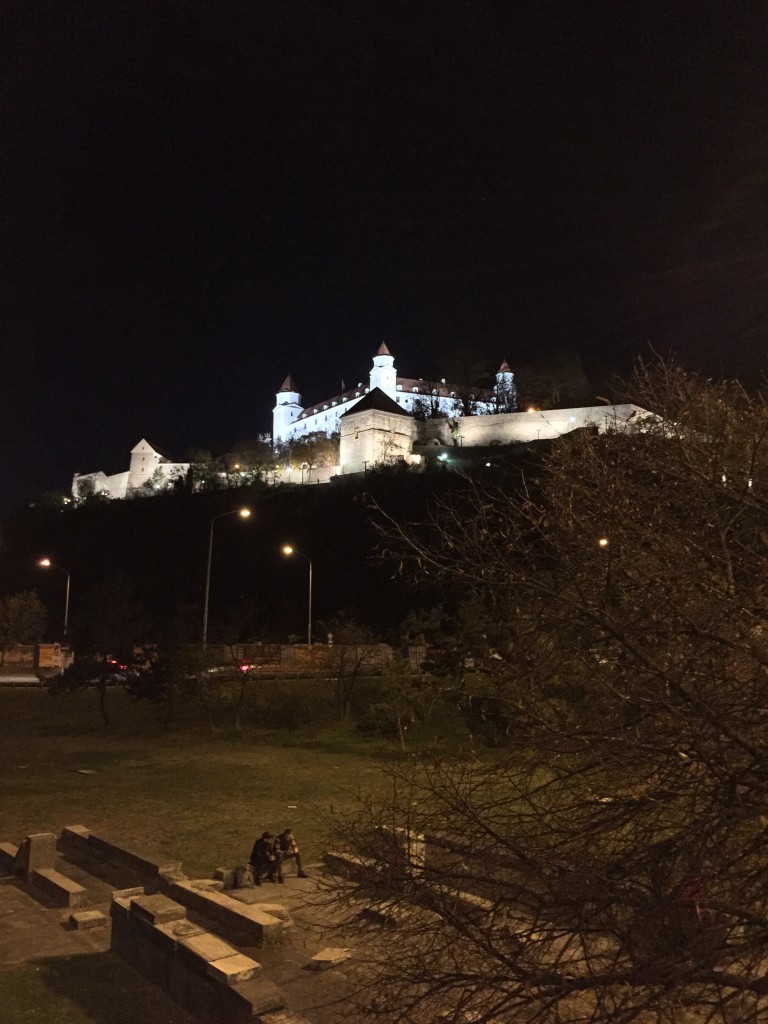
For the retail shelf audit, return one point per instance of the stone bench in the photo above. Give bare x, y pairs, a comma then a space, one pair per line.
468, 903
8, 854
62, 890
253, 922
150, 866
350, 865
392, 914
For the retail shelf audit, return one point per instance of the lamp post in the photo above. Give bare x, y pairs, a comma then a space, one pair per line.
287, 549
244, 513
46, 563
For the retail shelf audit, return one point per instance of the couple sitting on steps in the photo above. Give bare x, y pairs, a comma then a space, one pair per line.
268, 854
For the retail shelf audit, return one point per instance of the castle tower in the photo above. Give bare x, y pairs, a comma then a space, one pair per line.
505, 389
287, 410
383, 373
144, 461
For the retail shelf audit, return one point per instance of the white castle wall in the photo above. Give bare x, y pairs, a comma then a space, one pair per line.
146, 465
519, 427
115, 486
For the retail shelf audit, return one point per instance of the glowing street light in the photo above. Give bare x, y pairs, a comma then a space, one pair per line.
244, 513
46, 563
603, 542
288, 550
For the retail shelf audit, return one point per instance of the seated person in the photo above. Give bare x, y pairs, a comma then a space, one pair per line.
264, 860
286, 849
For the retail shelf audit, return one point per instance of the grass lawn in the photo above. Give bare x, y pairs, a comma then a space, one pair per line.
194, 797
97, 989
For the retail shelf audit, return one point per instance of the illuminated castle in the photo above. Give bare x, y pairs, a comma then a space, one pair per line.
290, 419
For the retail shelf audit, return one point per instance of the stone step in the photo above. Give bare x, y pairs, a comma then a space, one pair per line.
61, 889
248, 921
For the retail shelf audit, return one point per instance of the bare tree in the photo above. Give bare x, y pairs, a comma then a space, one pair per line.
611, 864
346, 658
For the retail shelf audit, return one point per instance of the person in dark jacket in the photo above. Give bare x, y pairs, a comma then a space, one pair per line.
264, 860
286, 849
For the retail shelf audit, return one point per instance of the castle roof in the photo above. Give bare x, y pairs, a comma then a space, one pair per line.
378, 400
288, 384
144, 445
505, 367
383, 350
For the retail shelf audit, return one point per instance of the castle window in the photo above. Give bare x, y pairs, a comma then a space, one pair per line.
415, 391
399, 387
357, 394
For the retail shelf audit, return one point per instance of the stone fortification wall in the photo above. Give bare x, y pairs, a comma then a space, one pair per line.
522, 427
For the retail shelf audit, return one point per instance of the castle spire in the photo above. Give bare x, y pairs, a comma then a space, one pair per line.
383, 374
288, 384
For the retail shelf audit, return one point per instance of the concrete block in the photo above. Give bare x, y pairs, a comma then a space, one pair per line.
119, 908
198, 994
251, 922
207, 884
149, 865
127, 894
231, 970
8, 854
88, 919
167, 878
37, 852
77, 834
255, 898
180, 929
253, 998
156, 909
392, 914
201, 950
62, 890
329, 958
122, 939
225, 875
349, 865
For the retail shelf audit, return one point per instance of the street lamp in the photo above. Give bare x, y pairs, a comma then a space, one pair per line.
46, 563
288, 550
244, 513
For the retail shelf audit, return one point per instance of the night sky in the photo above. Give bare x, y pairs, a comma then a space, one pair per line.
199, 198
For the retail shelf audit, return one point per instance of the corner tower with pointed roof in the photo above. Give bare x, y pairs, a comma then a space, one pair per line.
505, 389
383, 374
287, 410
